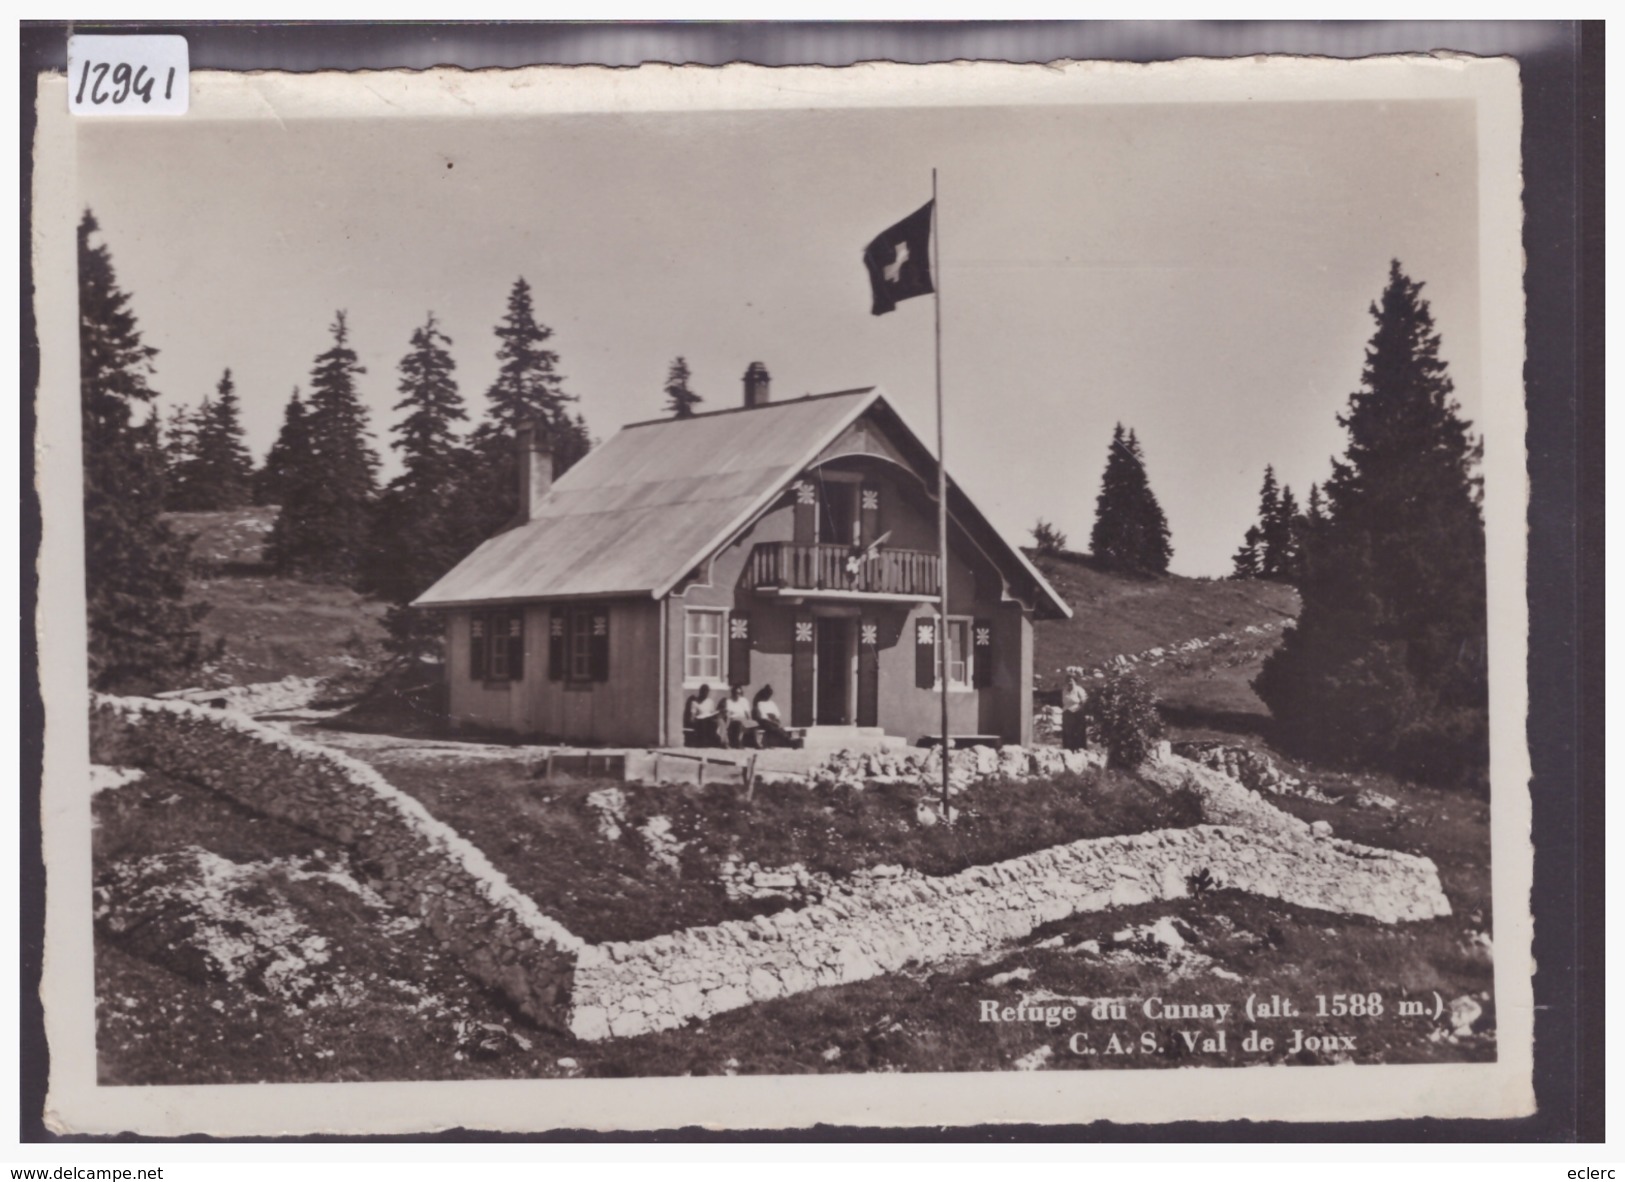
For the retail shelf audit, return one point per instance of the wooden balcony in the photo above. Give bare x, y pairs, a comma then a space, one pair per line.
828, 572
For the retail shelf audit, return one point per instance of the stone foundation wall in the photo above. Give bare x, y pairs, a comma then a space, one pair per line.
417, 863
632, 988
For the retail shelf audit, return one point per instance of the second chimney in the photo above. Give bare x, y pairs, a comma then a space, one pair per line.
535, 468
756, 384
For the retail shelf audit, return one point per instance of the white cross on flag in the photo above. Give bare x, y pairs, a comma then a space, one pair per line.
899, 261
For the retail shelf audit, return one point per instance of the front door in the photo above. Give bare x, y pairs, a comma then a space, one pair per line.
834, 671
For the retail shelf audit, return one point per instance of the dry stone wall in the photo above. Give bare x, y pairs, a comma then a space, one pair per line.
859, 929
416, 862
631, 988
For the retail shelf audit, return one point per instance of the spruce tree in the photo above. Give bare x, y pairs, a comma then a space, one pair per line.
1130, 532
1269, 549
680, 400
142, 635
1109, 539
1269, 508
1385, 664
528, 388
179, 445
291, 449
1285, 557
417, 532
1153, 548
1314, 512
323, 528
1245, 563
220, 474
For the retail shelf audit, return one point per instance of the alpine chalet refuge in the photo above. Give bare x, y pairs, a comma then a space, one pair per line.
787, 543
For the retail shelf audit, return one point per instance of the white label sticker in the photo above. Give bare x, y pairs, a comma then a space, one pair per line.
128, 75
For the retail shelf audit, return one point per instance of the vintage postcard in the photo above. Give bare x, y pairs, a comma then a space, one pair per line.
901, 595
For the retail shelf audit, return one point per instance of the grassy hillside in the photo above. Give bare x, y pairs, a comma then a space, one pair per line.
269, 957
270, 627
1112, 614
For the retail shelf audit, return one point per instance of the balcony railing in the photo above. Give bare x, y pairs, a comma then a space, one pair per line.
791, 568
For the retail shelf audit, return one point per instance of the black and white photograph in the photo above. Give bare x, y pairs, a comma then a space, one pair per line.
890, 595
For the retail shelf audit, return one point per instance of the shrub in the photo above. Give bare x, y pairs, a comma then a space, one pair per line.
1047, 540
1122, 717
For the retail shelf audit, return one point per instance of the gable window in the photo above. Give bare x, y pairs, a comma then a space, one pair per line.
703, 645
496, 645
838, 512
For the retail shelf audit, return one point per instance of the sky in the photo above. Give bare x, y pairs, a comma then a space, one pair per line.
1200, 272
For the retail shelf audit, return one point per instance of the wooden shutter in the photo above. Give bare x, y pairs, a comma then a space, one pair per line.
806, 512
599, 645
557, 642
925, 653
868, 514
476, 646
516, 644
981, 653
739, 648
801, 672
868, 672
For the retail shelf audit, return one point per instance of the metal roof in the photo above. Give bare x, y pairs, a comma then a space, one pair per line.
650, 503
654, 501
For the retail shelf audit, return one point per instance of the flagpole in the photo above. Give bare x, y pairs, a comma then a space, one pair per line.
942, 495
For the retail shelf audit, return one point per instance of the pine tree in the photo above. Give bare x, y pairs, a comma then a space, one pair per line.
1385, 664
1130, 532
528, 389
680, 400
326, 509
291, 449
220, 472
142, 635
418, 534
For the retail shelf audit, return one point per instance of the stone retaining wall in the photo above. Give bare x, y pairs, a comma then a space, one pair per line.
658, 984
857, 932
417, 863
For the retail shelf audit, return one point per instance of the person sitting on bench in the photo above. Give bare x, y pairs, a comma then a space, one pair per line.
768, 720
738, 728
700, 721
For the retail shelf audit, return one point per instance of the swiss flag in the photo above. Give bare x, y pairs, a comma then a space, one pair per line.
899, 261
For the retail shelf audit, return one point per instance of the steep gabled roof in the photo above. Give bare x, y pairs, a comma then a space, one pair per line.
651, 503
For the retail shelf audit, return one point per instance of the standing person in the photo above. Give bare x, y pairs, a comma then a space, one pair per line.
700, 720
1074, 731
738, 728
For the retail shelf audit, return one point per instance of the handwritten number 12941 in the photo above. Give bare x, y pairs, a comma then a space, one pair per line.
120, 82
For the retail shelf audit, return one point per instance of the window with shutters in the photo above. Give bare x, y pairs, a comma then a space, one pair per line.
497, 645
960, 654
580, 644
703, 631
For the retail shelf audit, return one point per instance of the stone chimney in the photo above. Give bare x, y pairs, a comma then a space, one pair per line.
756, 385
535, 467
